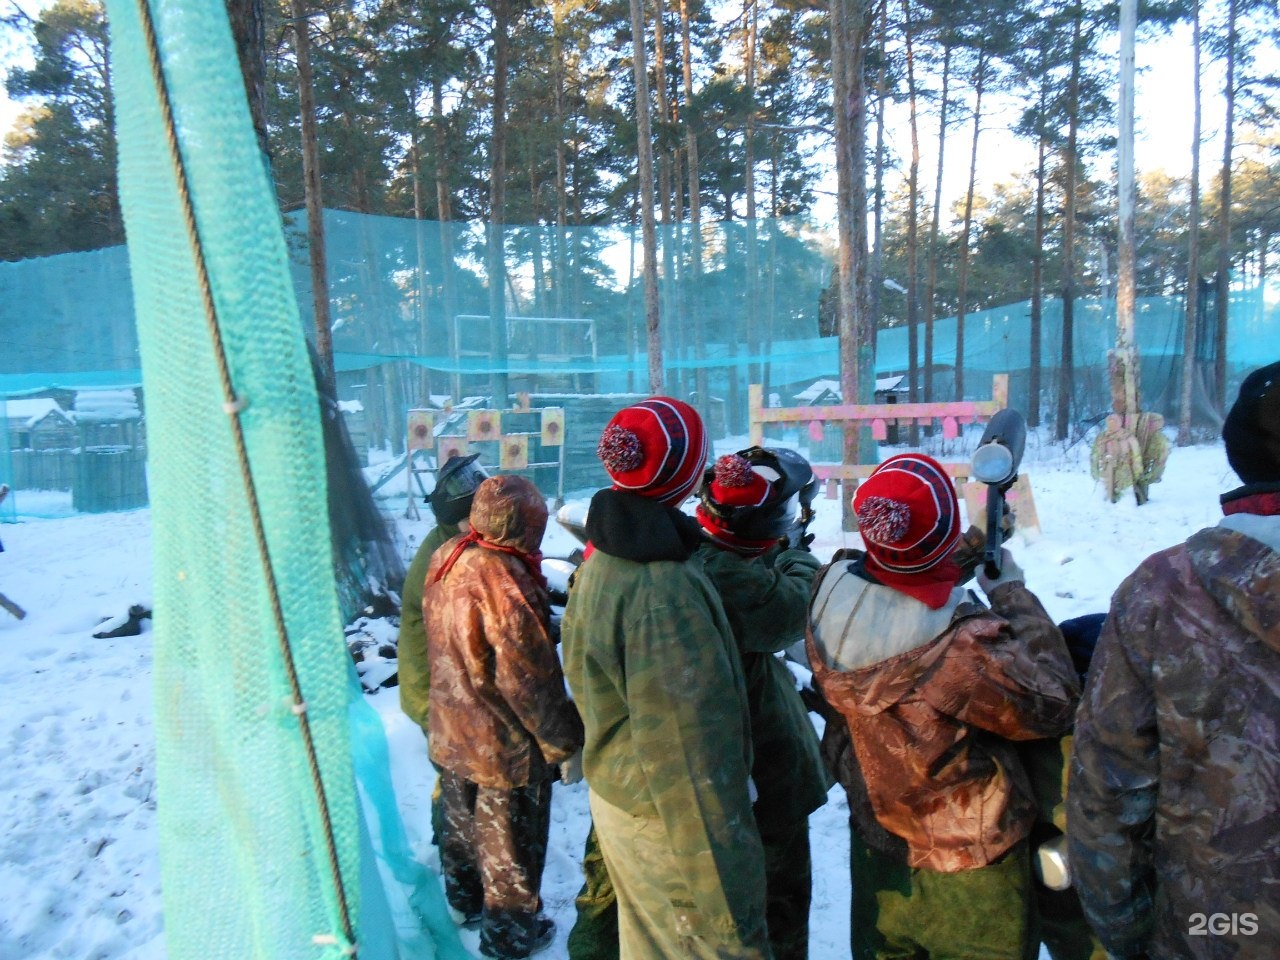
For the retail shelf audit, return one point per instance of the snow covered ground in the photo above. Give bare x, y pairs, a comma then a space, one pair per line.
79, 876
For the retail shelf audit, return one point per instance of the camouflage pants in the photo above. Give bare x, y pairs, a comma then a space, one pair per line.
788, 890
902, 913
493, 850
647, 885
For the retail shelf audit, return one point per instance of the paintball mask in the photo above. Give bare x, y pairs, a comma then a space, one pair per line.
760, 494
456, 484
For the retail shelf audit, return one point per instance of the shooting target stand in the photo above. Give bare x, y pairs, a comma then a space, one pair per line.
512, 431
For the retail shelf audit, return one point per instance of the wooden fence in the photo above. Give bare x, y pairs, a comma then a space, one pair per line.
878, 416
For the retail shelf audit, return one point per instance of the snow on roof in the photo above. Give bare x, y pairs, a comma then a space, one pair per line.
818, 387
34, 409
96, 405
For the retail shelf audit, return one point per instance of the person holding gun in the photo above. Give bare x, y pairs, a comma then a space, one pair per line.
935, 689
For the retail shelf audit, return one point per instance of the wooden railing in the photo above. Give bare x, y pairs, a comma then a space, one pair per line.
950, 417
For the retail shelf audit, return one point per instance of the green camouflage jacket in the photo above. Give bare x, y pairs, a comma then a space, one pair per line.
766, 599
411, 642
1173, 807
651, 660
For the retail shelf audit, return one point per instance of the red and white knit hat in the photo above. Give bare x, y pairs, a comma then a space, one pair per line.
733, 483
655, 448
908, 514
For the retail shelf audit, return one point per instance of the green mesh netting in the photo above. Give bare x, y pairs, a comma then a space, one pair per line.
263, 854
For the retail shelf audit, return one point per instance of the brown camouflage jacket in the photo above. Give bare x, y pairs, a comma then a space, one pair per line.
1173, 809
933, 725
499, 713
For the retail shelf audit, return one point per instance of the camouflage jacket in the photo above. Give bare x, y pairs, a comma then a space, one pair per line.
499, 713
933, 722
1173, 809
653, 666
766, 599
411, 642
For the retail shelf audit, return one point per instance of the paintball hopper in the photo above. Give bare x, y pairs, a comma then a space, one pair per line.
996, 463
999, 452
573, 517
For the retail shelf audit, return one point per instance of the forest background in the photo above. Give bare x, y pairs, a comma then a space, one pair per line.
527, 113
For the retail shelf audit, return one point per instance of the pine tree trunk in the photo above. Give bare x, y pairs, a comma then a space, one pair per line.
649, 241
876, 291
931, 282
1066, 362
444, 215
315, 206
749, 188
962, 279
1125, 384
1224, 217
496, 245
849, 19
913, 231
1037, 281
695, 217
1193, 245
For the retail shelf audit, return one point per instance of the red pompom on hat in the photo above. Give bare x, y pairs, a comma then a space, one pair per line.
655, 448
909, 519
735, 484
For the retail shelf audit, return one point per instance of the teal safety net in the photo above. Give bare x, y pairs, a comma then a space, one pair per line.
263, 844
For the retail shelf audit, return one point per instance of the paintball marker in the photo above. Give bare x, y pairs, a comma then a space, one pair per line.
996, 463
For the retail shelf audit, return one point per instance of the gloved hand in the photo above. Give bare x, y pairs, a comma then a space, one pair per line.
1010, 572
571, 769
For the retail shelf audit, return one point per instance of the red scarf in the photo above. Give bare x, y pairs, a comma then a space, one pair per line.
532, 561
931, 587
1262, 504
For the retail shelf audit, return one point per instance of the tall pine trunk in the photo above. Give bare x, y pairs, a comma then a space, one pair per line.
913, 230
749, 188
1066, 363
876, 291
695, 214
311, 189
644, 156
962, 279
496, 246
849, 27
1222, 300
933, 253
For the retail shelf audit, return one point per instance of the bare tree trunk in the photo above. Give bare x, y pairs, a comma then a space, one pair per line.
1193, 245
1037, 279
315, 206
666, 163
1125, 383
444, 213
1222, 300
248, 29
962, 280
420, 249
876, 291
749, 188
849, 24
913, 227
497, 266
562, 204
695, 214
644, 154
1066, 364
931, 281
1124, 398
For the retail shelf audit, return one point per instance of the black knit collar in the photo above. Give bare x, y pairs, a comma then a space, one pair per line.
635, 528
